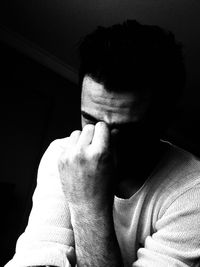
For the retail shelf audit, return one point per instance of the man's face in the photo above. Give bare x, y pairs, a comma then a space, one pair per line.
123, 112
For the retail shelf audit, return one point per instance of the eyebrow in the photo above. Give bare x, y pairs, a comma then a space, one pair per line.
112, 125
88, 116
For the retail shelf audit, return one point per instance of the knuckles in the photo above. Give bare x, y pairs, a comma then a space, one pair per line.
79, 155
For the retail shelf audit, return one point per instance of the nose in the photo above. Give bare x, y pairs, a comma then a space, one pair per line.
114, 132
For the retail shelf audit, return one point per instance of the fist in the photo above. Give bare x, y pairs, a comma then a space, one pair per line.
86, 168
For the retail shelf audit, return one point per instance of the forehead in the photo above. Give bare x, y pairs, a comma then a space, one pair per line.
106, 105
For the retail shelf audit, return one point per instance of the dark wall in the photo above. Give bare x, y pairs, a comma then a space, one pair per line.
36, 107
57, 26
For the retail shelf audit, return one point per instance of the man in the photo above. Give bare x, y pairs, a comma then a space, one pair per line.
114, 194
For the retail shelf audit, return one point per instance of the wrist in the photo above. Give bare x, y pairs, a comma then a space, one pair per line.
92, 208
90, 214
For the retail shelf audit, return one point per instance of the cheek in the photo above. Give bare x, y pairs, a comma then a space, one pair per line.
129, 141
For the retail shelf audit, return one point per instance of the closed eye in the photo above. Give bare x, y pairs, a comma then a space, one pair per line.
123, 127
90, 119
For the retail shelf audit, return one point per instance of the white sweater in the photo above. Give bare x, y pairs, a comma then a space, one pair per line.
158, 226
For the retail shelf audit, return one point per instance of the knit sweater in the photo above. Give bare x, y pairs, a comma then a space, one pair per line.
158, 226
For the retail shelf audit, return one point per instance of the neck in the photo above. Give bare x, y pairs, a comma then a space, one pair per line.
134, 172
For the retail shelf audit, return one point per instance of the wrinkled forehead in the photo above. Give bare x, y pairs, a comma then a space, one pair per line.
96, 98
96, 92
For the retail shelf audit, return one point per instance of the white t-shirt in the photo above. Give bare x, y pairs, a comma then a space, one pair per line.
158, 226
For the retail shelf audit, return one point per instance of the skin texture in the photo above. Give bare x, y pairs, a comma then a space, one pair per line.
111, 107
91, 169
131, 137
88, 161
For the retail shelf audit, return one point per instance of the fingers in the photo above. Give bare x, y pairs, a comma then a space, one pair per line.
74, 137
86, 136
101, 137
97, 135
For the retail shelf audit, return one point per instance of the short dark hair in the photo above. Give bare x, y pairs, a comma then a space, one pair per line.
135, 57
132, 56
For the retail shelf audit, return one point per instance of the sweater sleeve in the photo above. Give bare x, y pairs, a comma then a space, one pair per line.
48, 238
176, 239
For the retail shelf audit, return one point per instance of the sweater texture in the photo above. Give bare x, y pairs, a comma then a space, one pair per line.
158, 226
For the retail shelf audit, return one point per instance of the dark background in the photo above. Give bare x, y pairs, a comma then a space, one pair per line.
39, 96
35, 109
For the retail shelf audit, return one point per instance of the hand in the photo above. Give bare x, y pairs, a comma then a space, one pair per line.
86, 167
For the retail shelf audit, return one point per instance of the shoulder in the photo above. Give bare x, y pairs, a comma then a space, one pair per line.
178, 175
49, 161
55, 148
